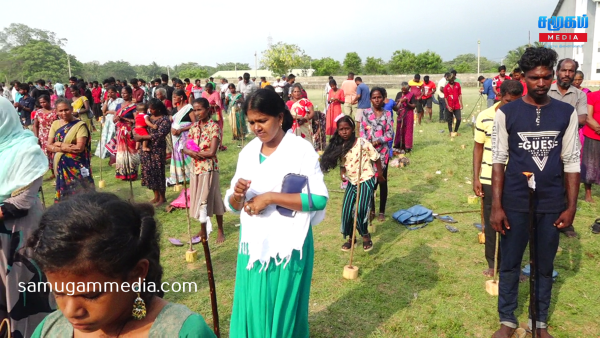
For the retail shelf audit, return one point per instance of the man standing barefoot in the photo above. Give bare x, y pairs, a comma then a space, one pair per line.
539, 134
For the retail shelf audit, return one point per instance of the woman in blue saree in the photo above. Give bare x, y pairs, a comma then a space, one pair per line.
69, 139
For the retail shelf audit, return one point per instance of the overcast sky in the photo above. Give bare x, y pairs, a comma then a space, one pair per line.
210, 32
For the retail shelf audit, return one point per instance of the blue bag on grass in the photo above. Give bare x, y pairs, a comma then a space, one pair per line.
417, 214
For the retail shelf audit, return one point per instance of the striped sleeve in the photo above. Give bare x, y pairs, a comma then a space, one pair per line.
479, 129
571, 146
500, 139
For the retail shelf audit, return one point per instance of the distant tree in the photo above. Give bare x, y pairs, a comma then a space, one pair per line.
352, 63
194, 73
403, 62
429, 63
232, 66
91, 71
281, 58
122, 70
39, 60
375, 66
467, 63
326, 66
18, 34
512, 58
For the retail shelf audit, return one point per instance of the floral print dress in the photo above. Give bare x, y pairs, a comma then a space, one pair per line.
45, 119
153, 161
373, 128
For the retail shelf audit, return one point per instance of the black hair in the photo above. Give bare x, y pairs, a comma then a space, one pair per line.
246, 76
453, 71
112, 79
511, 87
517, 70
106, 81
45, 97
209, 85
81, 85
332, 82
41, 82
503, 67
180, 92
157, 80
73, 78
269, 87
164, 77
128, 90
481, 77
75, 88
203, 102
426, 78
157, 104
376, 89
113, 88
446, 74
538, 56
231, 85
142, 81
211, 78
337, 147
580, 73
560, 62
186, 80
291, 76
350, 74
117, 80
418, 76
270, 103
98, 232
63, 100
383, 92
124, 82
23, 86
358, 78
330, 77
133, 81
142, 104
95, 82
197, 80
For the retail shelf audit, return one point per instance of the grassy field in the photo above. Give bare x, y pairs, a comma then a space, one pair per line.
423, 283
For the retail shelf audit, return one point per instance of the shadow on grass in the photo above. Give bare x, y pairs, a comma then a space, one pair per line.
378, 295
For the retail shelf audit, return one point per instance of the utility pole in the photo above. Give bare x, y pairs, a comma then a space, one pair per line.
478, 56
255, 65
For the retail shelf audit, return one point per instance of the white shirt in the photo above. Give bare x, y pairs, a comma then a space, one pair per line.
440, 86
246, 88
278, 86
327, 89
225, 89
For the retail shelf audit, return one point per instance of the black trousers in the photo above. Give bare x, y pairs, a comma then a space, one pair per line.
490, 233
383, 192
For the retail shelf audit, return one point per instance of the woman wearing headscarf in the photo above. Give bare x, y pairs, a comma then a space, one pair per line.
22, 169
70, 140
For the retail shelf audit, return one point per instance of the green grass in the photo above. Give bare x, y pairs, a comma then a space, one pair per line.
423, 283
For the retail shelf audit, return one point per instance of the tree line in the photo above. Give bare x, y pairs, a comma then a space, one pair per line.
28, 54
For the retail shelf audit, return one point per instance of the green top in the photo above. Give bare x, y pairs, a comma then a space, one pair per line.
173, 318
319, 202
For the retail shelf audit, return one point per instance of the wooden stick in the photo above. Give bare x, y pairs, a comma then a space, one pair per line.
482, 218
496, 258
357, 204
209, 268
43, 199
533, 268
101, 149
128, 175
187, 208
458, 212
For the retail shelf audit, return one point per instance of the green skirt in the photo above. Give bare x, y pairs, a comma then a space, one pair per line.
274, 302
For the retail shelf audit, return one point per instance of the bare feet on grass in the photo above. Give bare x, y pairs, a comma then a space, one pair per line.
220, 237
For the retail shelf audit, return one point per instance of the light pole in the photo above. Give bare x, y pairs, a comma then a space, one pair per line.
478, 56
255, 65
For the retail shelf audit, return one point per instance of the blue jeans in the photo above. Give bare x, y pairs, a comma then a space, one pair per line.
442, 102
490, 102
512, 246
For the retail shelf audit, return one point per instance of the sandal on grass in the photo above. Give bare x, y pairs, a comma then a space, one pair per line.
347, 246
381, 217
596, 226
447, 219
175, 242
368, 245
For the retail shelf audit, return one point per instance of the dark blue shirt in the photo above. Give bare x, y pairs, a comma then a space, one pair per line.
365, 99
488, 88
28, 102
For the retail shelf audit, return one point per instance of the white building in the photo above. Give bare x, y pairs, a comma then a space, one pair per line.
586, 53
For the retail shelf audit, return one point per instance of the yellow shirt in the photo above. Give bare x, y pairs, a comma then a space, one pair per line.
483, 134
264, 84
350, 161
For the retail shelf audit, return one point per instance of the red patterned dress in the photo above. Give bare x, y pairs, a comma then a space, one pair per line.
45, 119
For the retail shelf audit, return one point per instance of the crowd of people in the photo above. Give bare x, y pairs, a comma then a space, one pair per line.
143, 127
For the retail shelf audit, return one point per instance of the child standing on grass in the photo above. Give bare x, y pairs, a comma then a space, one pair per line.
142, 122
345, 148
